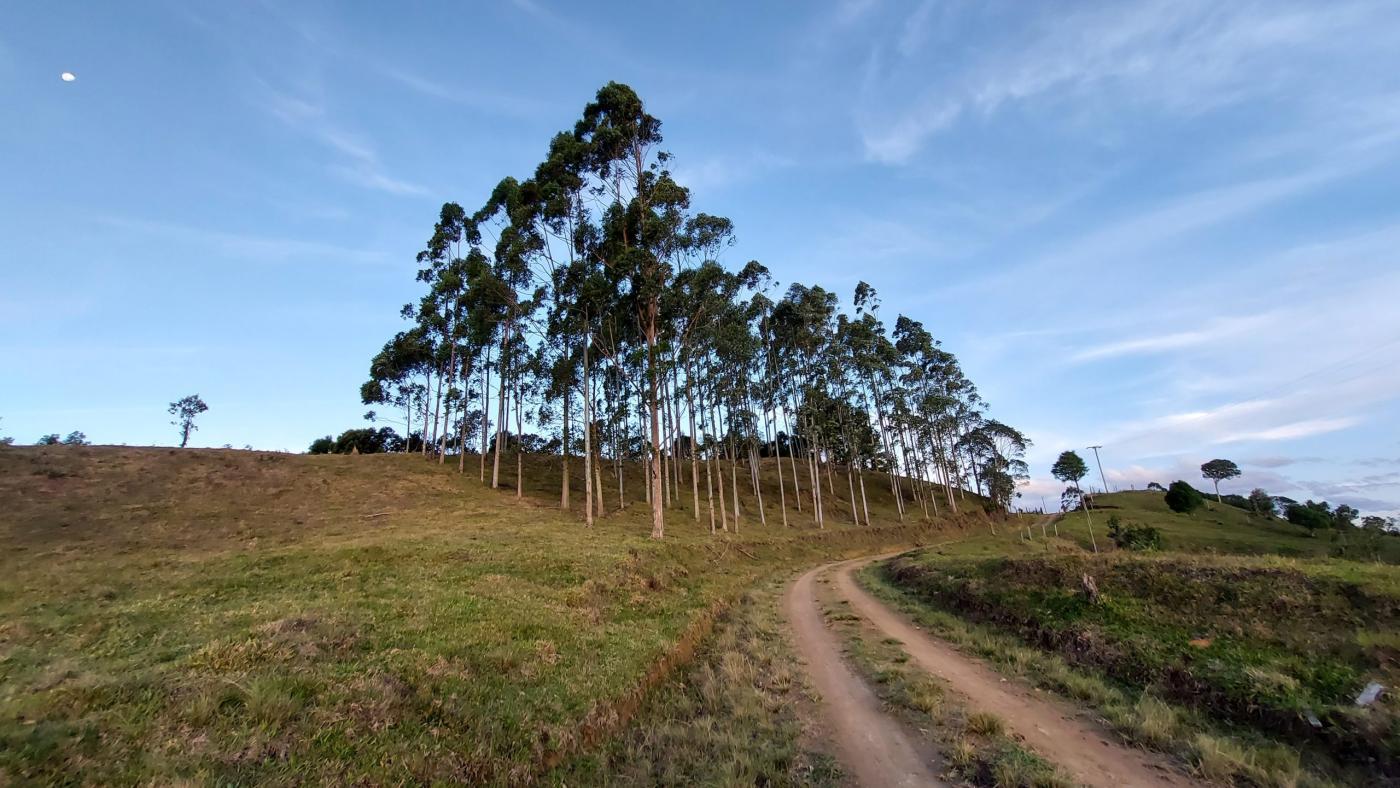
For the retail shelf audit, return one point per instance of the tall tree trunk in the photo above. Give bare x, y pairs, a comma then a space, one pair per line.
694, 453
587, 436
769, 430
500, 412
792, 456
519, 442
485, 412
658, 515
408, 423
564, 460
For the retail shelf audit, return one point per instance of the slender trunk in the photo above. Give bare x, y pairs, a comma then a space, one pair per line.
447, 409
694, 454
734, 480
500, 413
658, 515
427, 395
437, 407
863, 502
792, 457
851, 482
485, 412
462, 432
777, 452
408, 424
587, 437
564, 486
888, 446
519, 444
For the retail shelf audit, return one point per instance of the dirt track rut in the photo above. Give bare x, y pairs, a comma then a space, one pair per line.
878, 751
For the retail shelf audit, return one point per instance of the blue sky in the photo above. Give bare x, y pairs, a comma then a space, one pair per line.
1170, 228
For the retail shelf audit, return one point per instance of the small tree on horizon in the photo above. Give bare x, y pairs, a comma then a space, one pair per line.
1070, 468
76, 438
1218, 471
185, 410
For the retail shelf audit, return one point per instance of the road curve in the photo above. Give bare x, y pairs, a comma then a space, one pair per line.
871, 745
1088, 753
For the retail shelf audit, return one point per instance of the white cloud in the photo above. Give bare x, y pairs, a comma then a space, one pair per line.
1297, 429
359, 162
1180, 58
1218, 331
243, 246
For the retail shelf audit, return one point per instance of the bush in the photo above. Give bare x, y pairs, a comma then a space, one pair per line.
1133, 537
1183, 498
1310, 515
366, 441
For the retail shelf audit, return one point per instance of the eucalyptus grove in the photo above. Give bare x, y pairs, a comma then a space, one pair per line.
591, 302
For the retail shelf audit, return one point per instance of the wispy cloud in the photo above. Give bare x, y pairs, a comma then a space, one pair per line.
243, 246
720, 171
1278, 461
358, 162
492, 102
1217, 331
1181, 58
1290, 431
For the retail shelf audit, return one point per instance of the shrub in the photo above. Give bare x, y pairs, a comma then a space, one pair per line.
1310, 515
1133, 537
1183, 498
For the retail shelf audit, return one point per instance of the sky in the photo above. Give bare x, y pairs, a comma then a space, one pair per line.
1167, 228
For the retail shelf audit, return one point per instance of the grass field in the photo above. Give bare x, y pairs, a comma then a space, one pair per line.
1240, 632
232, 616
1216, 528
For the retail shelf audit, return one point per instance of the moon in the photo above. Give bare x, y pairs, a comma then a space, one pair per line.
67, 76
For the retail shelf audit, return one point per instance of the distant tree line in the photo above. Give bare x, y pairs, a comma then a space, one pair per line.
589, 301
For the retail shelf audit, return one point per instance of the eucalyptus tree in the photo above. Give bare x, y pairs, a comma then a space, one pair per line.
592, 282
186, 410
639, 227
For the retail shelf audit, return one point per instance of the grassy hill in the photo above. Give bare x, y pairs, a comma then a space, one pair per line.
1216, 528
248, 616
1240, 647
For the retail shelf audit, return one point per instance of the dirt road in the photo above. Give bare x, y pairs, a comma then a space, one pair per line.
871, 745
1085, 751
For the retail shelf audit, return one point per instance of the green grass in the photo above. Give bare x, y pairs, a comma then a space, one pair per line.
1255, 643
730, 718
1216, 528
231, 616
1212, 749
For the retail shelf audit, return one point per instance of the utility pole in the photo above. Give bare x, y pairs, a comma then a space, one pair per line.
1100, 464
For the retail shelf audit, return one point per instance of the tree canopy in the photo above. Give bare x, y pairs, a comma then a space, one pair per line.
590, 300
1218, 471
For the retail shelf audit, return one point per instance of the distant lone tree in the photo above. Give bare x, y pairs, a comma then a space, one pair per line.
1070, 468
48, 440
76, 438
1155, 486
1182, 498
1261, 502
1218, 471
185, 410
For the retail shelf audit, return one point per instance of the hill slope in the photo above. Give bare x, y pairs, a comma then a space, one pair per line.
236, 615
